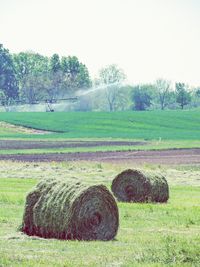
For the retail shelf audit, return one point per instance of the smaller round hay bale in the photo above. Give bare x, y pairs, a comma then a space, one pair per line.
131, 186
138, 186
67, 209
159, 188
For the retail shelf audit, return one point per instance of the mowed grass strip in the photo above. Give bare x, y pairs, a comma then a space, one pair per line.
149, 234
149, 125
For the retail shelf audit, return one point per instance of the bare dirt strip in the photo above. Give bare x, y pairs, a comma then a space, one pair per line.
179, 156
23, 144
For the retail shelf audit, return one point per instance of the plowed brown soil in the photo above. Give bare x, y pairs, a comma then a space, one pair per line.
176, 156
23, 144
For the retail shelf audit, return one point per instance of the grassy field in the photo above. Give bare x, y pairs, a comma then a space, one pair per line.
149, 125
160, 130
149, 234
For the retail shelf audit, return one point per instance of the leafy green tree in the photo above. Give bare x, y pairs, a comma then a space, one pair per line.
197, 92
112, 94
8, 81
83, 77
55, 64
163, 91
30, 66
195, 97
64, 64
56, 78
111, 74
30, 92
141, 97
73, 67
183, 97
55, 90
76, 74
67, 75
43, 78
111, 78
26, 62
5, 101
35, 87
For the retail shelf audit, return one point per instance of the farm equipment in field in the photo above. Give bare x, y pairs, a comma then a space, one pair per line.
48, 102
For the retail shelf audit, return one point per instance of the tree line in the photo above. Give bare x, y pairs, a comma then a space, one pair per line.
118, 95
28, 77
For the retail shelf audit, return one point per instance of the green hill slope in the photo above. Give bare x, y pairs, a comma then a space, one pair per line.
149, 125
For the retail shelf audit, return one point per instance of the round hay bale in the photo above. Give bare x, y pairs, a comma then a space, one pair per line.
159, 188
131, 186
136, 186
70, 210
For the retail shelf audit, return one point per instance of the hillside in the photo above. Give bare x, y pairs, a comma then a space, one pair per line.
149, 125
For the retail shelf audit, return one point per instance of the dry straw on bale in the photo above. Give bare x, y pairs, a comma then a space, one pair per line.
159, 188
136, 186
70, 210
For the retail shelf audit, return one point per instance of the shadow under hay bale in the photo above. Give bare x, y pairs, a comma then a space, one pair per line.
70, 210
136, 186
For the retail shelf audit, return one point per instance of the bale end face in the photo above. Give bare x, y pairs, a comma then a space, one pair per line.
95, 215
131, 186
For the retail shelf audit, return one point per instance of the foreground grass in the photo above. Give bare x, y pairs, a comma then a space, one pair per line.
149, 234
149, 125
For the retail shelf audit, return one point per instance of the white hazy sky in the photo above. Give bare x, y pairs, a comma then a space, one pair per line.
147, 38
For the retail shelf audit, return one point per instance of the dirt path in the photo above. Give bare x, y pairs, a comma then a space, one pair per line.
179, 156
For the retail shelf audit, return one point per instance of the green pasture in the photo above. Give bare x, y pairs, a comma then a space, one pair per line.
147, 125
149, 234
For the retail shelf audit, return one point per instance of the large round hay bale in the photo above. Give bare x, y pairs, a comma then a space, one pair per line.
131, 186
159, 188
70, 210
136, 186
